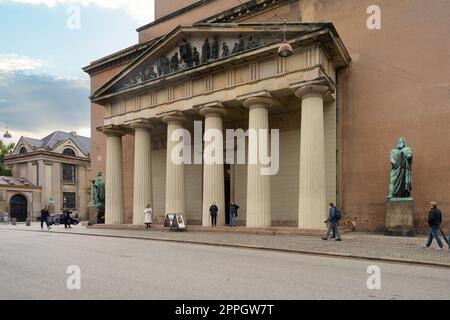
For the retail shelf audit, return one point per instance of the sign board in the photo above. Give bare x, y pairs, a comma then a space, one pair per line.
175, 221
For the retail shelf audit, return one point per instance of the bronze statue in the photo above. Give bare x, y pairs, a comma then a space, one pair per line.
241, 46
215, 49
401, 178
225, 50
174, 61
163, 65
186, 52
195, 57
206, 51
98, 191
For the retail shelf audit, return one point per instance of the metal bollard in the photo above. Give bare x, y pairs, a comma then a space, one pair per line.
13, 221
28, 222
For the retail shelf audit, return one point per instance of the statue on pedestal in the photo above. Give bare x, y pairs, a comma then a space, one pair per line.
98, 192
401, 178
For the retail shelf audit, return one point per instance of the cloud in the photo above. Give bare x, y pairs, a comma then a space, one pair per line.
12, 63
38, 104
140, 10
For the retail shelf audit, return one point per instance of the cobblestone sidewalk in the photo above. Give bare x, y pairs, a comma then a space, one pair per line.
354, 245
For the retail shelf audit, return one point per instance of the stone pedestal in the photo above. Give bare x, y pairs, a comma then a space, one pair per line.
93, 214
400, 217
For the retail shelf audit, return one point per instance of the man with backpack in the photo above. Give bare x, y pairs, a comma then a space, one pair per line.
334, 215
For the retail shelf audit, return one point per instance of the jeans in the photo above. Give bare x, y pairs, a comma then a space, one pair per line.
42, 222
232, 219
333, 226
434, 233
214, 219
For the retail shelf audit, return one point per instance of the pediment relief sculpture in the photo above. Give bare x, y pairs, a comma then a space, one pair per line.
186, 55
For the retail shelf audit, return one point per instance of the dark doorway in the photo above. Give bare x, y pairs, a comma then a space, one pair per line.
227, 176
18, 208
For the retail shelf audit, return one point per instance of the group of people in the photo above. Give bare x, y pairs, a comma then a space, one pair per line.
334, 216
45, 215
233, 213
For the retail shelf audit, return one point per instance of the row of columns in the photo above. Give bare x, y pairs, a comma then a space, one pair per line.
312, 194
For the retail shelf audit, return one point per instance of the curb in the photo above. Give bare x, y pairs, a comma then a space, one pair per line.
241, 246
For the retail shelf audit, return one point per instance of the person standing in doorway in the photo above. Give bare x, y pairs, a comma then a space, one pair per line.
44, 218
334, 215
148, 213
213, 210
434, 222
233, 214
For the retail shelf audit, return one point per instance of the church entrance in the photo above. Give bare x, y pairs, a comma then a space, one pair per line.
18, 208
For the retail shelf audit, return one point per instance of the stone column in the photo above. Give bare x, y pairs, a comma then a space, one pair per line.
114, 210
213, 173
312, 210
142, 190
175, 190
258, 185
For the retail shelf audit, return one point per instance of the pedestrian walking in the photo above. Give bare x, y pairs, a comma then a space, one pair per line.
434, 222
66, 218
334, 215
213, 211
233, 214
148, 213
44, 218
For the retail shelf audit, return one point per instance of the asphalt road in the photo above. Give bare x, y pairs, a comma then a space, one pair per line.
33, 265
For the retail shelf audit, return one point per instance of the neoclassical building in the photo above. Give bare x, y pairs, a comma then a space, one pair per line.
58, 165
339, 102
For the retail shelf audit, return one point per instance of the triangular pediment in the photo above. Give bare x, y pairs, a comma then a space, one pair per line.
187, 49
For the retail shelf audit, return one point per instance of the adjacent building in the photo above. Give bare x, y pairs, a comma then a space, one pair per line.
59, 166
340, 101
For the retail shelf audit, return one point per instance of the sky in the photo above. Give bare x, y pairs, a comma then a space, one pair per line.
44, 44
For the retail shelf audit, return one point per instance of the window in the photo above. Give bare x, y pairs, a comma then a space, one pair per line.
69, 200
69, 172
23, 150
69, 152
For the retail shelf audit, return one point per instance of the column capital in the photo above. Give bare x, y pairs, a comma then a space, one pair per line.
174, 117
262, 98
308, 88
141, 124
214, 108
112, 131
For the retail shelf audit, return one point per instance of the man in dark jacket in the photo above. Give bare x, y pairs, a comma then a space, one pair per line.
44, 218
213, 210
66, 217
333, 219
233, 214
434, 221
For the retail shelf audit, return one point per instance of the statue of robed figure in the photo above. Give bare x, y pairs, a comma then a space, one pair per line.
401, 177
98, 191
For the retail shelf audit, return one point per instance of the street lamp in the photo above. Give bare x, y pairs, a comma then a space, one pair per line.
7, 135
285, 49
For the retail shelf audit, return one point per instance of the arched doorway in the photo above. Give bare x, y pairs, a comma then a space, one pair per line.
18, 208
